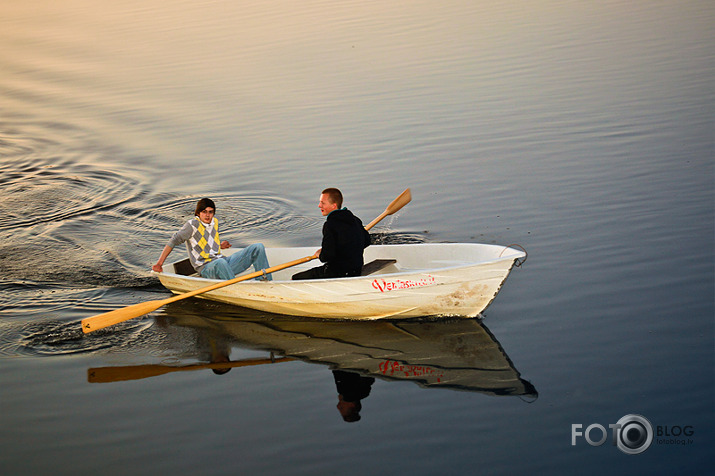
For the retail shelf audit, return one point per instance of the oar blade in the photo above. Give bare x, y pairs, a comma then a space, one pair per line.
394, 206
100, 321
403, 199
120, 374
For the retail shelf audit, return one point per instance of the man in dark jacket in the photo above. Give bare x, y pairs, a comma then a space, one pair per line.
344, 239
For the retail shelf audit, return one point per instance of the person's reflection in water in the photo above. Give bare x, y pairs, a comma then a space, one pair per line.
352, 388
207, 346
219, 354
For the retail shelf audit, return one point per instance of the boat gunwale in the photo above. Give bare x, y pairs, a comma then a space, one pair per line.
511, 257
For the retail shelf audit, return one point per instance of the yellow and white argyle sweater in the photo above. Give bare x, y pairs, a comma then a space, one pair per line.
202, 241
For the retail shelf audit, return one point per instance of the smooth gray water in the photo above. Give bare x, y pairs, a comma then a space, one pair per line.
582, 131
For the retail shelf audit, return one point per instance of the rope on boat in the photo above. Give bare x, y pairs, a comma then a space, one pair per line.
519, 261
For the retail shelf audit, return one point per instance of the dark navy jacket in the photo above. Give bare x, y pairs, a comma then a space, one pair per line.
344, 239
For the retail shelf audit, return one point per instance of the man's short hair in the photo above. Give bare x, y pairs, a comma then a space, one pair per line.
335, 196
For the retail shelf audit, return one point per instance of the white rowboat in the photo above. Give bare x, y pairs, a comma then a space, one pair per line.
404, 281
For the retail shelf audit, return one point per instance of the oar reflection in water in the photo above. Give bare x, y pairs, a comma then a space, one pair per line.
137, 372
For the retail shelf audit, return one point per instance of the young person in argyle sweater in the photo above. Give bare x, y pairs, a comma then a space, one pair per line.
204, 247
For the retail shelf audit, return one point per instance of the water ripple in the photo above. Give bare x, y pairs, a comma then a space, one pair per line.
263, 215
41, 319
52, 338
45, 190
62, 193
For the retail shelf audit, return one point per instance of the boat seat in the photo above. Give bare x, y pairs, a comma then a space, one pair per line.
184, 267
376, 265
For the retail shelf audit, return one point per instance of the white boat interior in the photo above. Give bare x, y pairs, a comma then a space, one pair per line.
383, 259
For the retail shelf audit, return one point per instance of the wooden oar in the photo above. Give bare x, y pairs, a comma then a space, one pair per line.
100, 321
136, 372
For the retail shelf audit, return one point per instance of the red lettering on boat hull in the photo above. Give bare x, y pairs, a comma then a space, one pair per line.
384, 286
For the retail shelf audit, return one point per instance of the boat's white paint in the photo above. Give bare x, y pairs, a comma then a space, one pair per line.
432, 279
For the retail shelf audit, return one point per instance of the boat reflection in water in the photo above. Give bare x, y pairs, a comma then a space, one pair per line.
458, 354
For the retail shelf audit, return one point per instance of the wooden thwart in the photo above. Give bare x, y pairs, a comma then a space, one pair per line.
376, 265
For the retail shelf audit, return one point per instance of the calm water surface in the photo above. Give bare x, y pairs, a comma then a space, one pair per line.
582, 131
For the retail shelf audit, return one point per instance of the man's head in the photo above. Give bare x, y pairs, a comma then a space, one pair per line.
205, 210
330, 199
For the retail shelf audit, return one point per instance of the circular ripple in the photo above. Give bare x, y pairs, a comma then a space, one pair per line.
50, 338
62, 194
397, 238
47, 191
261, 215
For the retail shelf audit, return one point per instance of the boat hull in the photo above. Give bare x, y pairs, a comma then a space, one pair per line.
426, 280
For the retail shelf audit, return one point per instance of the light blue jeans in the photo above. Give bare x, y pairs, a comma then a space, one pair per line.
229, 266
